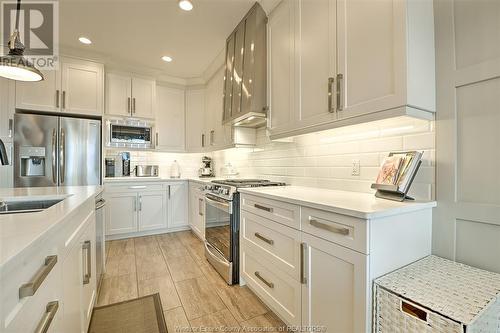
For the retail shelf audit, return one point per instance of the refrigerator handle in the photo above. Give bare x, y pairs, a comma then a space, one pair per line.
54, 174
62, 155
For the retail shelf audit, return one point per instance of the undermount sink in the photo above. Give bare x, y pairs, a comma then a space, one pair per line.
26, 206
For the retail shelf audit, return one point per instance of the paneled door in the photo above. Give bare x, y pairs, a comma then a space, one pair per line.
143, 97
118, 94
41, 96
121, 215
152, 210
170, 119
466, 224
178, 205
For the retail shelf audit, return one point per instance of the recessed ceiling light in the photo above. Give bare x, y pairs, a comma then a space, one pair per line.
166, 58
85, 40
186, 5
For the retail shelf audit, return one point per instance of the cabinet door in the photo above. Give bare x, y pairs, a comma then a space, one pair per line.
40, 96
371, 55
178, 205
143, 97
118, 94
197, 211
82, 88
88, 269
121, 213
152, 208
7, 109
195, 120
316, 66
170, 119
281, 80
335, 295
214, 110
228, 77
72, 283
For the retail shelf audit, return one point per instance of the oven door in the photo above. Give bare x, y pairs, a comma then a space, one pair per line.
218, 215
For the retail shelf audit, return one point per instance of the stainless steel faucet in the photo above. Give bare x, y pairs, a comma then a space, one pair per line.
4, 160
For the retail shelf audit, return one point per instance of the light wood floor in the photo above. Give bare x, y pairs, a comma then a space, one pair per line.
192, 293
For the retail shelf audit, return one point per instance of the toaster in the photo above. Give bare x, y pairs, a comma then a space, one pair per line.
146, 171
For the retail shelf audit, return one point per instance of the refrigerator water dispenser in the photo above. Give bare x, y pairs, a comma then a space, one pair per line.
32, 161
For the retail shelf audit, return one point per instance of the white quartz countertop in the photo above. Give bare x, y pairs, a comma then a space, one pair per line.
361, 205
158, 179
19, 231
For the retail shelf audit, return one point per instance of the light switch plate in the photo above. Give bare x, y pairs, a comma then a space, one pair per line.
356, 168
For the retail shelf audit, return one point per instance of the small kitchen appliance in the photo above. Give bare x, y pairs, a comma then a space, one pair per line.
206, 169
109, 166
129, 133
222, 224
146, 171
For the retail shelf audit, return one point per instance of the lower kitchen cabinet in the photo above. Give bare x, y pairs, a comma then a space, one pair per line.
197, 209
121, 213
178, 205
151, 210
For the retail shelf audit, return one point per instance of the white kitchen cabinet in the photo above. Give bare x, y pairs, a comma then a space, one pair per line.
336, 286
170, 119
178, 205
121, 213
214, 110
130, 96
6, 110
197, 209
348, 62
152, 210
88, 269
76, 88
196, 139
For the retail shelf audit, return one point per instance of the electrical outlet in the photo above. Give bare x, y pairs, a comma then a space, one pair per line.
356, 168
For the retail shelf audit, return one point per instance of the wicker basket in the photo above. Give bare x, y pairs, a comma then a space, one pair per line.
437, 295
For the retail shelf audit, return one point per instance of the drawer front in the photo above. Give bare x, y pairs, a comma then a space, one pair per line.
277, 211
134, 187
278, 290
45, 305
344, 230
276, 242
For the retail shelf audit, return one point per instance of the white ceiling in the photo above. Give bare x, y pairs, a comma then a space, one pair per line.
139, 32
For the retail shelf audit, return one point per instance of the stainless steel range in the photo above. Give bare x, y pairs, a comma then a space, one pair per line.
222, 224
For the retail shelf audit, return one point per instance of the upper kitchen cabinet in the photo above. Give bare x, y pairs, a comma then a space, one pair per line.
130, 96
170, 119
214, 96
348, 62
196, 138
76, 87
245, 72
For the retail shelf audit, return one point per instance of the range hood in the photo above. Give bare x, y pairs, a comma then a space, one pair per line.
245, 102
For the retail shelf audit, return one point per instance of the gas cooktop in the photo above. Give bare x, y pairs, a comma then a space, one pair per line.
239, 183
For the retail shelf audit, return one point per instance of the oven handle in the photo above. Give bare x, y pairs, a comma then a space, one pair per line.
223, 205
215, 254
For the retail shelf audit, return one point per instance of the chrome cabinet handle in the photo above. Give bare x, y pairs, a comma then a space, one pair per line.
212, 137
267, 209
331, 81
62, 155
267, 283
157, 140
50, 313
136, 187
340, 95
30, 288
327, 227
57, 98
169, 192
200, 205
265, 239
88, 268
135, 205
54, 172
203, 140
133, 105
140, 203
99, 204
128, 105
303, 258
64, 99
11, 125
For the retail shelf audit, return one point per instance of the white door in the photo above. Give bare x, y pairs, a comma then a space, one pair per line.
371, 45
316, 67
88, 269
170, 119
214, 110
196, 138
82, 88
178, 205
152, 208
41, 96
121, 213
118, 94
281, 76
143, 97
336, 290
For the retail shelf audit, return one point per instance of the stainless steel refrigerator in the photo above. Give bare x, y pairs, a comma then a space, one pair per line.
56, 151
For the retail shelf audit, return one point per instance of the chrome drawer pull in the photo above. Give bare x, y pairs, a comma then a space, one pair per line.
50, 313
30, 288
137, 187
303, 258
267, 209
87, 255
267, 283
317, 224
265, 239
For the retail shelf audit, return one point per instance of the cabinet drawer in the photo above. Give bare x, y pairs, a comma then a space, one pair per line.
34, 309
134, 187
277, 211
344, 230
278, 290
277, 243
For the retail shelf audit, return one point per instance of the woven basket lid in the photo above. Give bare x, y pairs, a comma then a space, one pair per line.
455, 290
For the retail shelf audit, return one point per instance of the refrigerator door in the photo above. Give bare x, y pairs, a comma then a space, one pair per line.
35, 150
79, 152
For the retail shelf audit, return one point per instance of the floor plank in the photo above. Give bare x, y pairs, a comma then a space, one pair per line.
268, 322
222, 321
177, 321
121, 247
198, 297
120, 265
183, 268
242, 302
165, 287
149, 267
118, 288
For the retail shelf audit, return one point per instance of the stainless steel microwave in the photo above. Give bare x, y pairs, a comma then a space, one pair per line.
129, 133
